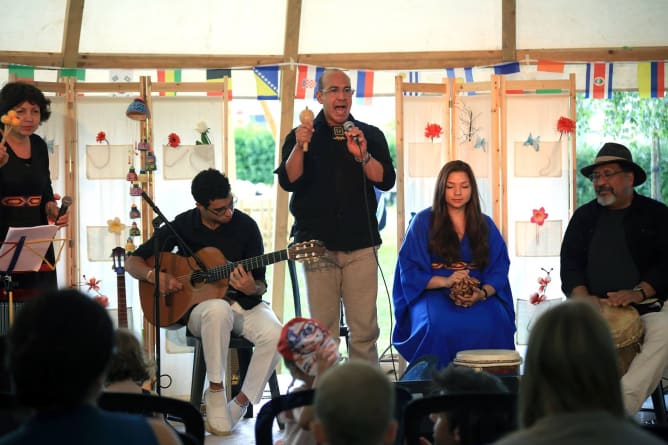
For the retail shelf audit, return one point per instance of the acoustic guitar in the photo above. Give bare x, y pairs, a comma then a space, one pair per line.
200, 286
118, 256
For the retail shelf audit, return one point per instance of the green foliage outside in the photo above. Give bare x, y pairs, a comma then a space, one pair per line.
640, 124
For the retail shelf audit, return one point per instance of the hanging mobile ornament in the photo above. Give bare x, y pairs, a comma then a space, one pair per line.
129, 246
143, 145
132, 174
134, 212
143, 176
134, 230
150, 161
135, 190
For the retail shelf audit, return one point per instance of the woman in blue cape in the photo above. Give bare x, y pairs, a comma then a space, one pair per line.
452, 242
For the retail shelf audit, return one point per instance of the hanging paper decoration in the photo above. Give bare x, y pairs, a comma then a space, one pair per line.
135, 190
480, 143
132, 174
432, 131
115, 225
533, 142
129, 246
565, 125
134, 212
150, 161
539, 297
143, 145
134, 230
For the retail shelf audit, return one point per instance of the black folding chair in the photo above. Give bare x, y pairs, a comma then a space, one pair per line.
172, 409
495, 414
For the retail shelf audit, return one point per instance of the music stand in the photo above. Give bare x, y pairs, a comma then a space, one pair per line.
24, 250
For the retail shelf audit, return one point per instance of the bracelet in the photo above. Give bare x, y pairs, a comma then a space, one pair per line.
642, 291
364, 161
485, 292
149, 274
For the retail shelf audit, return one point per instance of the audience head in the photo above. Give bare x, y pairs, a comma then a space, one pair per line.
128, 361
301, 343
468, 428
59, 348
354, 405
570, 365
14, 94
209, 185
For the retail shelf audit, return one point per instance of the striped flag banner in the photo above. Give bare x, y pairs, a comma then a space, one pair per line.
413, 77
22, 72
598, 81
266, 82
651, 82
507, 68
363, 81
169, 76
307, 81
217, 75
549, 66
463, 75
78, 73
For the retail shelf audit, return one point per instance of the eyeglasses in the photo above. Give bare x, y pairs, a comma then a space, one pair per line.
607, 175
224, 209
347, 91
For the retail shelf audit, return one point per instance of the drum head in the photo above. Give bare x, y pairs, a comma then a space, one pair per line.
480, 358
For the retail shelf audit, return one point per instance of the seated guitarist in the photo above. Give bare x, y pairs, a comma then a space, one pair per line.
214, 222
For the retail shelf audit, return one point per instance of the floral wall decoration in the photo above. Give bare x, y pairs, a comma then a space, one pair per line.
433, 131
539, 297
533, 142
565, 125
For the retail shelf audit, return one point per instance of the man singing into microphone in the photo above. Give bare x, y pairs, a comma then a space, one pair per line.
333, 200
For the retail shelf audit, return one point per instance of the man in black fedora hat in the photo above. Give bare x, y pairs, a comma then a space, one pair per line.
615, 252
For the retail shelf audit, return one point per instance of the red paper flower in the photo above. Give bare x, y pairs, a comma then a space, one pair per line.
173, 140
432, 131
565, 125
101, 137
539, 216
93, 284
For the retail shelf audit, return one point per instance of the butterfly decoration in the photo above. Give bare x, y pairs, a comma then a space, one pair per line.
480, 143
532, 142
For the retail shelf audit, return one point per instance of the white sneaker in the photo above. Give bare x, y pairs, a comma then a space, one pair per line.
218, 419
236, 411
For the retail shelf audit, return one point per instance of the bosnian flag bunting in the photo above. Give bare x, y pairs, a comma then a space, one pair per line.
598, 81
651, 82
307, 81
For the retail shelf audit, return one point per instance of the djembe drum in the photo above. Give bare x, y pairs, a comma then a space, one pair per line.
501, 362
627, 332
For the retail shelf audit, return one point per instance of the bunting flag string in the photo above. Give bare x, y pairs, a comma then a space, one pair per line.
307, 81
217, 75
169, 76
266, 82
598, 81
651, 82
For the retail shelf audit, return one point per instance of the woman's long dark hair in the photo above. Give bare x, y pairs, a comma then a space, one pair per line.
443, 239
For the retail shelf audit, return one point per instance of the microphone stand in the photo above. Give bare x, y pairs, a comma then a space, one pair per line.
157, 221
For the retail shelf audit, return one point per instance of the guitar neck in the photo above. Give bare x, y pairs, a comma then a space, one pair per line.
122, 304
224, 271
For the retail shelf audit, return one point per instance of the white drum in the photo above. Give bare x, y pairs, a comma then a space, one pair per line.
501, 362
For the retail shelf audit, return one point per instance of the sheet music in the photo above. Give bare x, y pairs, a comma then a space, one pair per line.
38, 239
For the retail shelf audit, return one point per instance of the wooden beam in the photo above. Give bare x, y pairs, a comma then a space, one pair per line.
508, 30
72, 32
288, 75
371, 61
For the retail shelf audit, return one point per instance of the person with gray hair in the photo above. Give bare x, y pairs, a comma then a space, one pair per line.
354, 405
570, 391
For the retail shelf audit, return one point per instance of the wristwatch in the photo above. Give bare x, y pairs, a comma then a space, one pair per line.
642, 291
365, 160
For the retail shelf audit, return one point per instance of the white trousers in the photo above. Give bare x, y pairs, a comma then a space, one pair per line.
214, 320
648, 366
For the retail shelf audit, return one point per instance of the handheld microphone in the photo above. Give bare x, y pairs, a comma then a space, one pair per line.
349, 125
65, 203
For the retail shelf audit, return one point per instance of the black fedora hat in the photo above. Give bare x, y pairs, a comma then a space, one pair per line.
613, 152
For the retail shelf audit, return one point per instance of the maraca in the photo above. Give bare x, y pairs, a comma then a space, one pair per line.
306, 117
